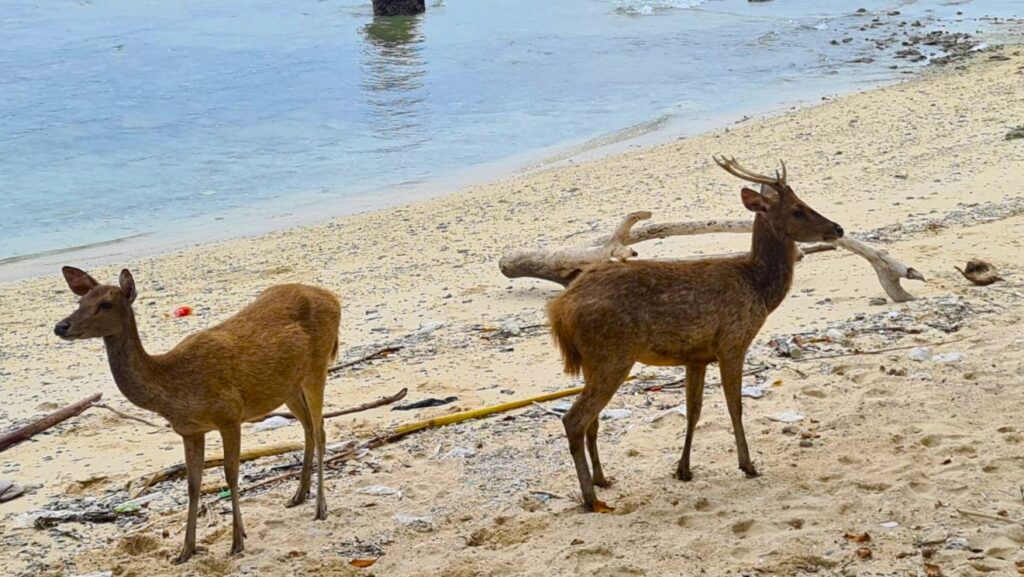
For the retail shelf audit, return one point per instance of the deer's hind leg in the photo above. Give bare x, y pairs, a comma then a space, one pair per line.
313, 392
298, 406
694, 401
595, 461
601, 383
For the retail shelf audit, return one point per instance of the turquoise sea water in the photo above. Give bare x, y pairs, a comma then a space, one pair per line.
121, 118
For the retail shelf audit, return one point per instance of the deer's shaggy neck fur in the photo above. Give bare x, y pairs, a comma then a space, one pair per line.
132, 367
772, 256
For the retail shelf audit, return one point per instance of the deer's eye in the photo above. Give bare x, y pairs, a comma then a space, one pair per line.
800, 213
106, 305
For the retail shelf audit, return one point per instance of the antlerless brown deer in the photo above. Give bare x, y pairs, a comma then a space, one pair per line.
691, 313
274, 351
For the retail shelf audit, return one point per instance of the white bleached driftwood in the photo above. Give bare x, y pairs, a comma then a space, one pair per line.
564, 264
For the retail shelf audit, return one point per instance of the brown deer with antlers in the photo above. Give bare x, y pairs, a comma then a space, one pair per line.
693, 313
274, 351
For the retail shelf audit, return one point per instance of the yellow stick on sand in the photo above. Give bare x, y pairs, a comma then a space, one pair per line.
140, 485
402, 430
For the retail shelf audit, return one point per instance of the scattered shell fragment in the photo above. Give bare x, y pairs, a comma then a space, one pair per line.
979, 272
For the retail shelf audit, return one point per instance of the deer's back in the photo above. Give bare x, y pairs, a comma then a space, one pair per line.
663, 313
253, 361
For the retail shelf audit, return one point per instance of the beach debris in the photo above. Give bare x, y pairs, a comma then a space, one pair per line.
96, 574
753, 391
786, 417
932, 570
16, 436
460, 453
347, 411
430, 402
135, 505
889, 525
140, 485
427, 328
857, 537
416, 426
510, 328
919, 354
182, 311
836, 336
124, 415
379, 353
273, 423
362, 563
9, 490
380, 491
45, 518
864, 552
790, 347
954, 357
614, 414
677, 410
563, 265
979, 272
1015, 133
421, 524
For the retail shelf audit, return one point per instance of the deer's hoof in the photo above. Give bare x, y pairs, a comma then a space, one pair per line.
237, 546
750, 472
684, 476
295, 501
187, 553
602, 482
321, 512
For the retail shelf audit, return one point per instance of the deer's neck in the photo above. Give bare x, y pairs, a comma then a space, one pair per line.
772, 258
133, 369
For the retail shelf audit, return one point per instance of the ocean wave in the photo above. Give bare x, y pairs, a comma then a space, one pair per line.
652, 7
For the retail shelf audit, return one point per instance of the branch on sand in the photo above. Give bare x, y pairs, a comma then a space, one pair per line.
376, 354
563, 265
346, 411
403, 430
140, 485
24, 433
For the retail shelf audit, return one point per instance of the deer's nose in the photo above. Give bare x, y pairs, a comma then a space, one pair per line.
62, 328
839, 231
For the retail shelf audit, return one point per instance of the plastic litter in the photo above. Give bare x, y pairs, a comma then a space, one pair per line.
787, 417
273, 423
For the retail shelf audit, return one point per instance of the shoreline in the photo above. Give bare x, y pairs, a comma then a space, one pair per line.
896, 436
301, 210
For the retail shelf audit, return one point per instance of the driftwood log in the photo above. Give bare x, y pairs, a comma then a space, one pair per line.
18, 435
564, 264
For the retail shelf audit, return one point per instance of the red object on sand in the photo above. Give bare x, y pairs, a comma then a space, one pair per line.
181, 312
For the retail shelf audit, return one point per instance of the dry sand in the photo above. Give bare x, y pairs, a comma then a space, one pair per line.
899, 441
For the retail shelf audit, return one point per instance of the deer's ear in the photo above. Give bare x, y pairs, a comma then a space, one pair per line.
78, 280
127, 285
753, 200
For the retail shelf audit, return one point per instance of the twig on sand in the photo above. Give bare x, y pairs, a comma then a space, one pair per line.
346, 411
24, 433
878, 351
547, 410
990, 517
379, 353
126, 415
416, 426
548, 494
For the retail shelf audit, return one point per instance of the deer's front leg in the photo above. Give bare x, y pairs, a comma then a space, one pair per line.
195, 446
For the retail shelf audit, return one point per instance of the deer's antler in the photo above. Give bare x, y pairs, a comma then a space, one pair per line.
730, 165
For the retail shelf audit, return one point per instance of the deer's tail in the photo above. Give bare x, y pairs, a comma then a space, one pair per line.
563, 331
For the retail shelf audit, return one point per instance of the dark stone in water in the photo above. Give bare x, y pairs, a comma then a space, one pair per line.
398, 7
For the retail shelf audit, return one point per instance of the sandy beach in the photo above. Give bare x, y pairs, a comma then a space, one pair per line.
924, 456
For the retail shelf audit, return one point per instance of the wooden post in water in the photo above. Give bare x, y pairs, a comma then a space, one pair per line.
398, 7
